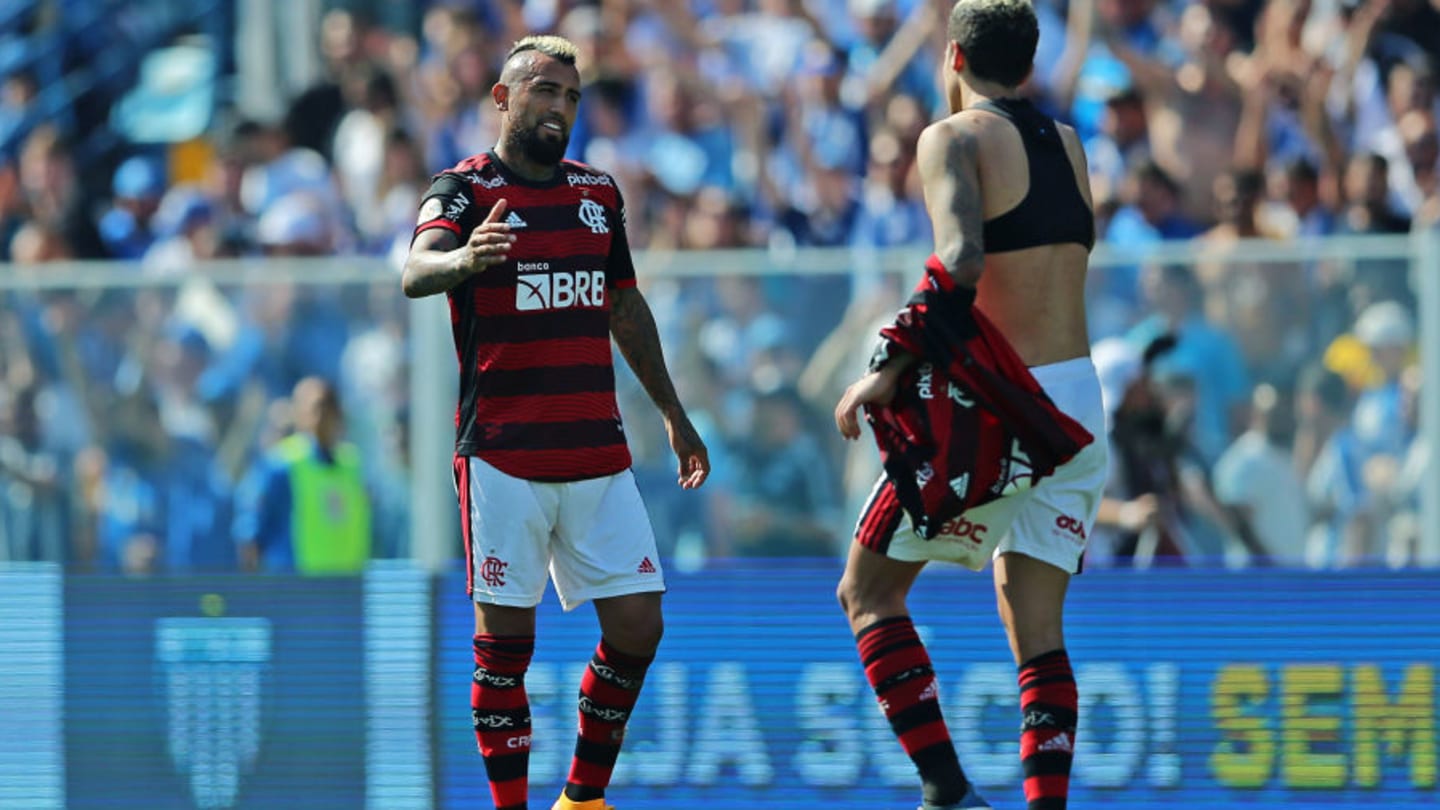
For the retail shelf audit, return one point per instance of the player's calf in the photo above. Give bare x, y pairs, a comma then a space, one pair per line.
608, 692
898, 669
1049, 705
500, 708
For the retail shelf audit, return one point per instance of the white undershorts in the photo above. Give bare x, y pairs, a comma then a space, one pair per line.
592, 537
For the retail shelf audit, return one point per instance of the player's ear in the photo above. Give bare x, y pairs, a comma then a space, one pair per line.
957, 56
501, 94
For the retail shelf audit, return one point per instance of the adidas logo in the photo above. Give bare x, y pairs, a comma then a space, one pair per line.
646, 567
1060, 742
930, 692
514, 221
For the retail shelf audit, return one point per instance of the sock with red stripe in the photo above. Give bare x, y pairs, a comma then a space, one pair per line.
898, 668
1050, 707
608, 692
501, 713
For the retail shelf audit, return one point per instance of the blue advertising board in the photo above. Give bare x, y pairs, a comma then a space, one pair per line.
1199, 689
215, 692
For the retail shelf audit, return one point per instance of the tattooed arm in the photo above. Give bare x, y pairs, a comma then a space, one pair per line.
438, 262
948, 161
946, 157
633, 327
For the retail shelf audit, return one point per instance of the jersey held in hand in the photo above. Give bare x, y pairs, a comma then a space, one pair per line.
968, 423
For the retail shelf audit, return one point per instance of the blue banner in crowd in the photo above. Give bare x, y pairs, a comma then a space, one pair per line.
1199, 690
216, 692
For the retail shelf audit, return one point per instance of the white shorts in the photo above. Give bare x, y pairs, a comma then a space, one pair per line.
1050, 522
592, 537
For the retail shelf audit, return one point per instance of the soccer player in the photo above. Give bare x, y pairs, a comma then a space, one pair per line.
531, 251
1008, 197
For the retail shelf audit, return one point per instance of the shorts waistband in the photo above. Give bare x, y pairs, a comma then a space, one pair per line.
1065, 371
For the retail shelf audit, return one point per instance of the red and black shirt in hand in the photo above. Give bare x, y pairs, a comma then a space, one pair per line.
537, 383
969, 423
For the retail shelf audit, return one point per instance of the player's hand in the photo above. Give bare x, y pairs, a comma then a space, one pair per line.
490, 242
875, 388
690, 450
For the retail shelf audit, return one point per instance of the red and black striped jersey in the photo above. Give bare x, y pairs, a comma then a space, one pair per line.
532, 335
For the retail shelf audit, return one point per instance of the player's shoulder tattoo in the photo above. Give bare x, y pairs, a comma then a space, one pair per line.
431, 209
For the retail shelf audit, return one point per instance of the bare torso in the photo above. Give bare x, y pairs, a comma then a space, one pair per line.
1035, 296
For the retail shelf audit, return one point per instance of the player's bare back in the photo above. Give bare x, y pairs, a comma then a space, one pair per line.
1036, 295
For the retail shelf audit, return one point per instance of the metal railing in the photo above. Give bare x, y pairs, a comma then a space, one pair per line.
432, 373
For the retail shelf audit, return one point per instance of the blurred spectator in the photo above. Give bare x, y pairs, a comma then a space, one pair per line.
1256, 480
1148, 212
123, 503
1193, 105
1405, 138
17, 106
53, 195
1295, 208
744, 326
787, 500
361, 149
1203, 353
1388, 333
185, 230
315, 329
126, 228
891, 214
881, 58
1246, 296
761, 42
12, 206
1322, 404
402, 181
304, 507
1403, 529
32, 489
1238, 195
1156, 498
1150, 209
1122, 144
313, 115
1350, 482
1367, 198
1129, 507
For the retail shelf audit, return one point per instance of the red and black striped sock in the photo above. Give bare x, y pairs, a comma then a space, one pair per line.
898, 668
501, 713
608, 692
1050, 707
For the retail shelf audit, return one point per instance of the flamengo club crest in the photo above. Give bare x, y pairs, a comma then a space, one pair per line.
593, 214
492, 571
212, 670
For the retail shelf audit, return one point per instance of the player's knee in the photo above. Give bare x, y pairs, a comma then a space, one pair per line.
639, 634
860, 599
1034, 635
845, 594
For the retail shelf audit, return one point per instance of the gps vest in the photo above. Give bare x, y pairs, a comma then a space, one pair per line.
329, 509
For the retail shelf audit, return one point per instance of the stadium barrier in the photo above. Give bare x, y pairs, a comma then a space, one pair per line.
812, 292
1199, 689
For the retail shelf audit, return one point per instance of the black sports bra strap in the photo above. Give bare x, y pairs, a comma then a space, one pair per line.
990, 105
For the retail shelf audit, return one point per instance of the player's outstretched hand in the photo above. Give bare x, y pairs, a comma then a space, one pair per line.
877, 387
690, 450
490, 242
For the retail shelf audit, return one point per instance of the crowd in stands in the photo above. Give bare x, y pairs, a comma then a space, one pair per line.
1263, 413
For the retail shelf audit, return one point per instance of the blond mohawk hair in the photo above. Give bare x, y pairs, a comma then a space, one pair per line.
555, 47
